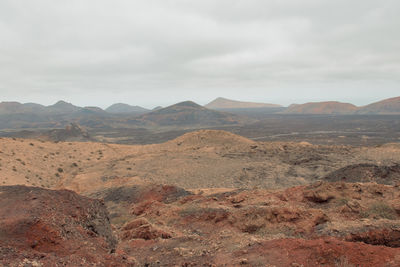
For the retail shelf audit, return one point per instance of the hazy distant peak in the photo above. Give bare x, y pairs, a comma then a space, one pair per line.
125, 108
10, 107
189, 113
224, 103
10, 103
157, 108
93, 109
181, 106
386, 106
62, 103
63, 106
327, 107
188, 104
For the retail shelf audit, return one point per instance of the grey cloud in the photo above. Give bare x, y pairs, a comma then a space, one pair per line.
160, 51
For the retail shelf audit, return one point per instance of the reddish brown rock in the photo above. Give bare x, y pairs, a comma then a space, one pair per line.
54, 228
142, 229
328, 252
383, 237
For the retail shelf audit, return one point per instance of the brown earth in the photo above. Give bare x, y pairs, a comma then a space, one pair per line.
41, 227
324, 224
202, 159
207, 198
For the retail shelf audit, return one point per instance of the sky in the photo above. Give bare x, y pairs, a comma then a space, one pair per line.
160, 52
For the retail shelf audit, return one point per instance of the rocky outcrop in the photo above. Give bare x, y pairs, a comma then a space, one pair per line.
54, 228
366, 173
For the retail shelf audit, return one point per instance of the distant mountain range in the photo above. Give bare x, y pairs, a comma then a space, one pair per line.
121, 108
223, 103
387, 106
189, 113
384, 107
331, 107
15, 115
221, 111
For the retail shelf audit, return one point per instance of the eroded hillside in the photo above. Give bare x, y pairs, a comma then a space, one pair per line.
202, 159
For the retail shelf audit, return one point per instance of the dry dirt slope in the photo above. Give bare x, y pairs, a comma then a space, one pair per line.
202, 159
320, 224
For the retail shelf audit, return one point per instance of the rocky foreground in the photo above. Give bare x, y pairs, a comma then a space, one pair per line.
323, 224
207, 198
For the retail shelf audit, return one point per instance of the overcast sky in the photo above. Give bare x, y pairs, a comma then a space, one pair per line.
158, 52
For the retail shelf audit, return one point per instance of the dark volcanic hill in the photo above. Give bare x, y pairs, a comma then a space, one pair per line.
223, 103
387, 106
63, 107
189, 113
72, 132
18, 108
121, 108
330, 107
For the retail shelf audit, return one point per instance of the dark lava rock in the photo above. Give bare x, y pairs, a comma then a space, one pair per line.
389, 175
139, 193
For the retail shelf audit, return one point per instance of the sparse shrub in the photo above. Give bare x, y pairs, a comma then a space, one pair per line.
342, 201
57, 174
380, 210
343, 262
74, 164
60, 170
31, 144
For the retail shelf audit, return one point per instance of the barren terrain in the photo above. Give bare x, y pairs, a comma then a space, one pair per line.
199, 159
206, 198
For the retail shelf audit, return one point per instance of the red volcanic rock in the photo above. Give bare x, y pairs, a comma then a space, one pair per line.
251, 219
328, 252
142, 229
323, 224
384, 237
54, 228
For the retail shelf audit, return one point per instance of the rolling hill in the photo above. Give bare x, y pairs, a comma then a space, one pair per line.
121, 108
223, 103
330, 107
387, 106
189, 113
